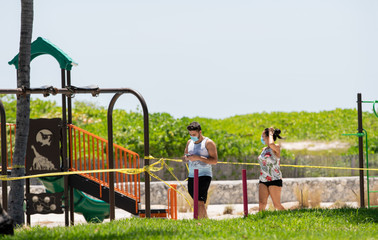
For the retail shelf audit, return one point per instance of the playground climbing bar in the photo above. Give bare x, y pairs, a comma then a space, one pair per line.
360, 149
360, 134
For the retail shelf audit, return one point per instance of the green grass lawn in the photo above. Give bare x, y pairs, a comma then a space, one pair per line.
298, 224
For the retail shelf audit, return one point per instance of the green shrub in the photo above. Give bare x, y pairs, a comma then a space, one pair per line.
237, 136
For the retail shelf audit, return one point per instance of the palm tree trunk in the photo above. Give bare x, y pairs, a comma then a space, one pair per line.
16, 195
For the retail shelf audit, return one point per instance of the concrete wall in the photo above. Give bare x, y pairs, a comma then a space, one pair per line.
230, 192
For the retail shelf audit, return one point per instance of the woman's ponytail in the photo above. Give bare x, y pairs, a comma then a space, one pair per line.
276, 134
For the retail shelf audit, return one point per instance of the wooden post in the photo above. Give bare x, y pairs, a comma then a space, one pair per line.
245, 195
195, 194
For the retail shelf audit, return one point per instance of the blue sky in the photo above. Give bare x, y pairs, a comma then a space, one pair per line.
207, 58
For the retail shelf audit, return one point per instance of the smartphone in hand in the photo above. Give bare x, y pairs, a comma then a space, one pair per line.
185, 160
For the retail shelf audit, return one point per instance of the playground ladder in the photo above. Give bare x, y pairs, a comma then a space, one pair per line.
89, 152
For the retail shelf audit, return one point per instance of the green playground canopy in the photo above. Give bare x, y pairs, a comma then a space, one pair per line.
43, 46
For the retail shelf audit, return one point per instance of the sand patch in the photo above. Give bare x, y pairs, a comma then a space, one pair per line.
314, 145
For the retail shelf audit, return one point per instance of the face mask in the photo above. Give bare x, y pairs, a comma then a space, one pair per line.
195, 139
262, 140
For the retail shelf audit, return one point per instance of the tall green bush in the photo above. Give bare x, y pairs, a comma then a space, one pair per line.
236, 137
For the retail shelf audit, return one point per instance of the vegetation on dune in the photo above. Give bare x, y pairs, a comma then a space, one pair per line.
236, 136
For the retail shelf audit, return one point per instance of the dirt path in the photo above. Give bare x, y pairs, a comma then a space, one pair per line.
314, 145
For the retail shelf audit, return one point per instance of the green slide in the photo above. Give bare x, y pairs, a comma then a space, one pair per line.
93, 210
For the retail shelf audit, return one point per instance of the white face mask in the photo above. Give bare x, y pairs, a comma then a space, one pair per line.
262, 140
195, 139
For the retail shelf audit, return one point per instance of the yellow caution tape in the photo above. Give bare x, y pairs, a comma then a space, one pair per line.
186, 190
131, 171
282, 165
153, 168
155, 176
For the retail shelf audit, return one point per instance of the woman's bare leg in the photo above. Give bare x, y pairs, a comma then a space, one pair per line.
202, 213
263, 196
275, 194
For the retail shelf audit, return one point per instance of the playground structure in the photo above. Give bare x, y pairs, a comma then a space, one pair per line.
79, 151
361, 134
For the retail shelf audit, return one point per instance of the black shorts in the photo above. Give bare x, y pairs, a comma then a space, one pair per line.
277, 183
203, 187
